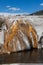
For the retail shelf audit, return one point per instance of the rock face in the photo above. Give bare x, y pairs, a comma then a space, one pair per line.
19, 36
1, 37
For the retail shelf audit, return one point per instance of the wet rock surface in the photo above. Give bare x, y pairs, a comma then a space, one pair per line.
28, 56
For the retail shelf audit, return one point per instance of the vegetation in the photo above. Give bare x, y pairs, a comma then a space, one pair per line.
38, 13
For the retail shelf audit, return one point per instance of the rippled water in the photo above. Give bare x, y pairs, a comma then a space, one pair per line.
30, 56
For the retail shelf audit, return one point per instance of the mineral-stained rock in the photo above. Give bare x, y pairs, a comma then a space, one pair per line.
19, 36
